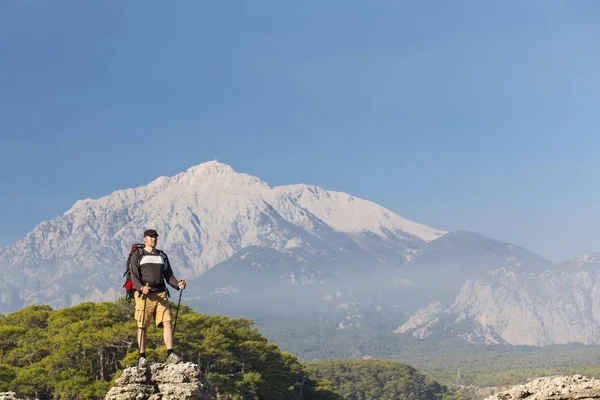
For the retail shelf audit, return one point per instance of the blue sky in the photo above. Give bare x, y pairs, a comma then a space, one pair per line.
471, 115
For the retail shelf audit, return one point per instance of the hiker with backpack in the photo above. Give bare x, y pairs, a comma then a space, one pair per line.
149, 269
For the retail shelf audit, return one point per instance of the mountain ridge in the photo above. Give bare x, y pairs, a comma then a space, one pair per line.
242, 243
205, 215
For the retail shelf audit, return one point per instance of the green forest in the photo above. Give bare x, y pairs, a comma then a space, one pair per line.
450, 361
380, 380
78, 352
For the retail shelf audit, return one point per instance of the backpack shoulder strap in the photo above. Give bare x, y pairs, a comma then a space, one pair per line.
163, 255
139, 249
166, 263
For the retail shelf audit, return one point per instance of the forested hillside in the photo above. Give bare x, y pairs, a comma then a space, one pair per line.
381, 380
74, 353
450, 361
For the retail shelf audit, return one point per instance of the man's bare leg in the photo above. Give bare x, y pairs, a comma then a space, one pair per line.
172, 358
141, 338
168, 335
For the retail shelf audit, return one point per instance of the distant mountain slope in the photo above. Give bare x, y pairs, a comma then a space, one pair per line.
354, 287
520, 307
441, 267
462, 249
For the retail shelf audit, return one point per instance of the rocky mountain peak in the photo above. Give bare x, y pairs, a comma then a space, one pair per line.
211, 168
214, 175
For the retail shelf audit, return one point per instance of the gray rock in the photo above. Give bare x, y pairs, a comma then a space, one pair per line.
519, 307
8, 396
161, 382
574, 387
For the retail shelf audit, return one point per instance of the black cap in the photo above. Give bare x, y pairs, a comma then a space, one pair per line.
150, 232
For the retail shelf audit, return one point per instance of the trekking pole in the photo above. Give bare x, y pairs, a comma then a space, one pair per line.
144, 310
141, 334
177, 313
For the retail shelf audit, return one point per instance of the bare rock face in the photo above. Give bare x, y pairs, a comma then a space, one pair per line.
574, 387
8, 396
161, 382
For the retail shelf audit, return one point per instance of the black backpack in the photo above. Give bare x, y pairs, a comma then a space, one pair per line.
128, 285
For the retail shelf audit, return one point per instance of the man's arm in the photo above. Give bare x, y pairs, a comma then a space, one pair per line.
168, 274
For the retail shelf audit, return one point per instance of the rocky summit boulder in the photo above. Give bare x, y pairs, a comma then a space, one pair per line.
161, 382
574, 387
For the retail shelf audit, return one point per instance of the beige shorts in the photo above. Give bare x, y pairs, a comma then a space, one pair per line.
157, 308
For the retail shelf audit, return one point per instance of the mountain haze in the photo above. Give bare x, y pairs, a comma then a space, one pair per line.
249, 249
205, 215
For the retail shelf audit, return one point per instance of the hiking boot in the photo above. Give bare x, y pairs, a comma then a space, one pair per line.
142, 363
173, 359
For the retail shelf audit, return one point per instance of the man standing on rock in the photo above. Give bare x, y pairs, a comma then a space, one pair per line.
150, 268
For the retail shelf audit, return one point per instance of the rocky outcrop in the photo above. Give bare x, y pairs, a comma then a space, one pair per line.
574, 387
8, 396
160, 382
